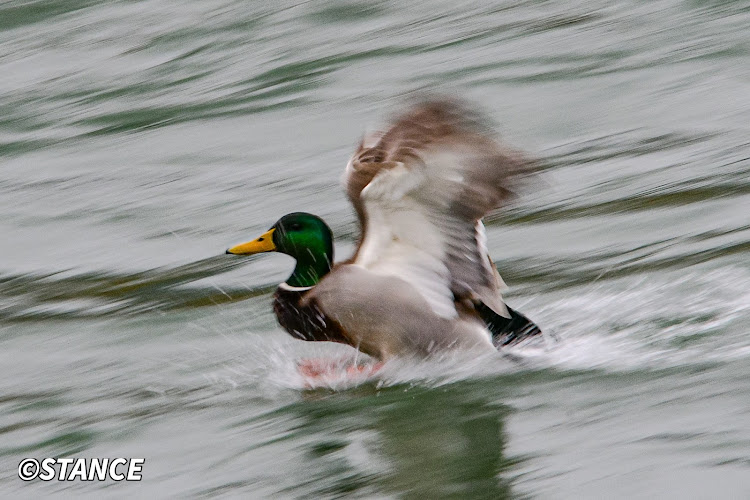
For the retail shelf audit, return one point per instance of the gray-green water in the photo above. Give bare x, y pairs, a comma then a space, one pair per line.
138, 139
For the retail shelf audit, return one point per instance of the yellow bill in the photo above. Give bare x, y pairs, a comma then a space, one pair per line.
262, 244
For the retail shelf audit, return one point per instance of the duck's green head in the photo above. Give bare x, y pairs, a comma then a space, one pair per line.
300, 235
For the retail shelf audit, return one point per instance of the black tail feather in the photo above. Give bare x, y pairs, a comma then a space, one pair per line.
507, 331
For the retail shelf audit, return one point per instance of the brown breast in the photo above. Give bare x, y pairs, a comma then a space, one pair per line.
305, 322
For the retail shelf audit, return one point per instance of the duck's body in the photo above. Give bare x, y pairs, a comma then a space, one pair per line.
421, 279
300, 314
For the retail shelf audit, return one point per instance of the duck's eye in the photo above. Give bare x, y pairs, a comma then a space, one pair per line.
296, 226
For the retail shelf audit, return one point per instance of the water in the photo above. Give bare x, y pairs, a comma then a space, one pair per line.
139, 139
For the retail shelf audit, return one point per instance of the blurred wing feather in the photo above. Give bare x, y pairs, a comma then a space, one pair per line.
420, 191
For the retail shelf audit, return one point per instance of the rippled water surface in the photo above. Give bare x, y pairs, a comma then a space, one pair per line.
138, 139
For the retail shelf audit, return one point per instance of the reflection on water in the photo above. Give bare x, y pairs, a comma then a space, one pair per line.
442, 443
407, 441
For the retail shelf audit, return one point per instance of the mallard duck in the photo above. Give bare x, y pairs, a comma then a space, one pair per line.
421, 279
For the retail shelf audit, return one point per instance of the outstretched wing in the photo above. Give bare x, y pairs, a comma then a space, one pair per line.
420, 190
